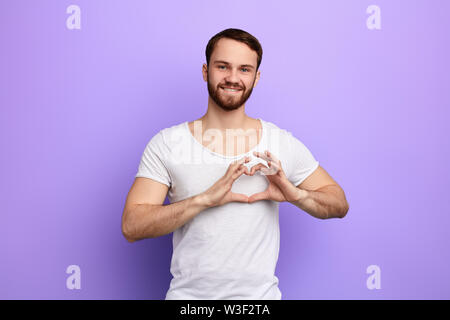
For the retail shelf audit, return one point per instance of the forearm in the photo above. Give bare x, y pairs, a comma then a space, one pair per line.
325, 203
151, 221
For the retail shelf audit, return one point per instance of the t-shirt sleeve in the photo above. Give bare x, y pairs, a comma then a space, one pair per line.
153, 161
302, 162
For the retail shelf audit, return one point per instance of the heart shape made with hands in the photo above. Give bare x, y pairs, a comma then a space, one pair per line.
279, 188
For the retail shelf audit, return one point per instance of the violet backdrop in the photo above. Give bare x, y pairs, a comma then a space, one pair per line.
79, 106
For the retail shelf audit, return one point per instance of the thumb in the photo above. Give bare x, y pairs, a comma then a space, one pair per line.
239, 197
258, 196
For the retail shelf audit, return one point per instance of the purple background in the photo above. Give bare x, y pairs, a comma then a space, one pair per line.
79, 106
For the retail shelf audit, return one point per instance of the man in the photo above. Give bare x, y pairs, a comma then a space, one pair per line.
224, 195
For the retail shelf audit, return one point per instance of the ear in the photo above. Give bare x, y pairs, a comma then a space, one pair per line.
205, 72
258, 74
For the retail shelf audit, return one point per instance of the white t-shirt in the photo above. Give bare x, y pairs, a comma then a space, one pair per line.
230, 251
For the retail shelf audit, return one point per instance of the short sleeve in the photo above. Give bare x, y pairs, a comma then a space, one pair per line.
153, 161
302, 162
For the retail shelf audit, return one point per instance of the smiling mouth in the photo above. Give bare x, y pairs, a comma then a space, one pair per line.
230, 90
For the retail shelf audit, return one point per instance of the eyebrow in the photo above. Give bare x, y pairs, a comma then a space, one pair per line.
242, 65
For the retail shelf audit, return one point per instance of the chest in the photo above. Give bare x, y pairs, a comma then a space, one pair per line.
229, 142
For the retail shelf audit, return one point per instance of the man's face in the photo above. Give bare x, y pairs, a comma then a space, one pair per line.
231, 75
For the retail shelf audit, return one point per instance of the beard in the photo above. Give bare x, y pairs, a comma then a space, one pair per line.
229, 102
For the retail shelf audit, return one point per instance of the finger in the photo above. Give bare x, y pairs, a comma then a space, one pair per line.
243, 160
267, 156
235, 165
242, 169
256, 167
273, 163
261, 155
274, 160
273, 166
272, 169
240, 163
268, 171
271, 156
258, 196
239, 197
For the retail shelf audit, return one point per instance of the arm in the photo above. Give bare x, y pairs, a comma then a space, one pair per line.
145, 216
147, 220
324, 203
321, 196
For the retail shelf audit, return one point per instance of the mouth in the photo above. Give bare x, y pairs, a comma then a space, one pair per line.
231, 90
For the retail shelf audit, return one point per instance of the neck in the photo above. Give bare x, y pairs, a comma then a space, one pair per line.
216, 117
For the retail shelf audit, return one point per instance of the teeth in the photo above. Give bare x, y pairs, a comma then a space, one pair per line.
233, 90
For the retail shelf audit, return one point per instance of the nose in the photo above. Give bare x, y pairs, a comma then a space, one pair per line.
232, 78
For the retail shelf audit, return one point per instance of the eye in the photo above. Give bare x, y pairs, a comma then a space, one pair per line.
221, 67
245, 69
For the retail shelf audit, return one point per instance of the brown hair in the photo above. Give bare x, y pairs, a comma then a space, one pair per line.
239, 35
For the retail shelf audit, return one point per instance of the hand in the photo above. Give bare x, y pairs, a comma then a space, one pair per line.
220, 192
280, 188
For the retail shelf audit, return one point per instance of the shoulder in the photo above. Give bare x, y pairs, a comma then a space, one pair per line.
276, 132
284, 143
167, 136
